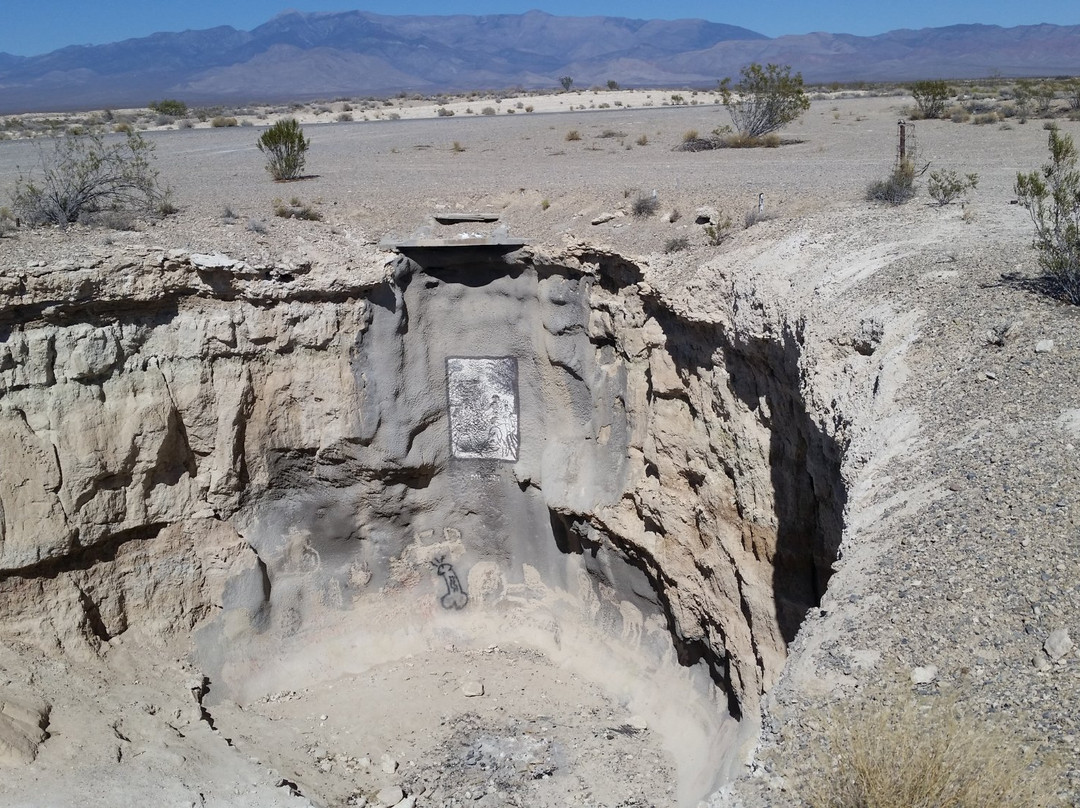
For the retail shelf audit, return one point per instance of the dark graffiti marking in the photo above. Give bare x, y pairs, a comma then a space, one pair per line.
483, 401
456, 597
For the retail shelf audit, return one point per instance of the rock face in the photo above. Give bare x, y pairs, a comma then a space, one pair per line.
247, 453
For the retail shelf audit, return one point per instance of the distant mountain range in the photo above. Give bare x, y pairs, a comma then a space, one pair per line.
309, 55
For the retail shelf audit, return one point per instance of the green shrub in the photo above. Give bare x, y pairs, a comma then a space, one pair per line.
946, 186
769, 98
895, 189
567, 82
716, 234
1052, 197
286, 149
930, 97
169, 106
84, 175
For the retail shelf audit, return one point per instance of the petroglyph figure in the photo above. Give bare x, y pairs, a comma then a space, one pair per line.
456, 597
482, 398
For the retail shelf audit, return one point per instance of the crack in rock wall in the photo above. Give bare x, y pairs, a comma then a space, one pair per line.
539, 439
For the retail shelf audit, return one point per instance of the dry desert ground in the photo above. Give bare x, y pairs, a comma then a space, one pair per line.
754, 486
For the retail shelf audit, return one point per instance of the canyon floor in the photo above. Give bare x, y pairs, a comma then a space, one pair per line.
953, 379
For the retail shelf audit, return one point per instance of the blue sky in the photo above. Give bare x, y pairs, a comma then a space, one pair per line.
37, 26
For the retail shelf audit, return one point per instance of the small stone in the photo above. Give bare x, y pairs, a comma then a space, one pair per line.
1040, 662
389, 766
391, 795
1058, 644
1044, 346
323, 717
471, 689
638, 723
602, 218
215, 261
924, 675
408, 802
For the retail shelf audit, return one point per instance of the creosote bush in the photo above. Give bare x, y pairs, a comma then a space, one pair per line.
286, 149
1052, 197
85, 175
769, 98
947, 186
930, 97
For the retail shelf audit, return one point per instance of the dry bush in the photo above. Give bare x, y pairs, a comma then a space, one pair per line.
222, 121
573, 134
86, 175
676, 244
645, 205
296, 209
921, 754
895, 189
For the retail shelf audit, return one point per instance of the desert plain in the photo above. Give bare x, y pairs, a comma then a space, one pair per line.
925, 369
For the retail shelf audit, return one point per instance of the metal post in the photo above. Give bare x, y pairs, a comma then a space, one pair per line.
903, 140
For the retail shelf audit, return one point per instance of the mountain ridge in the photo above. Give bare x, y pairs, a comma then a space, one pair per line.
298, 55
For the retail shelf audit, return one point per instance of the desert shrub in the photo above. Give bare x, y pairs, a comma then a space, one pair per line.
1071, 87
1052, 197
295, 209
222, 121
456, 147
123, 127
545, 204
529, 108
718, 232
643, 140
344, 117
84, 175
487, 111
612, 84
1023, 93
6, 220
573, 134
645, 205
1044, 94
255, 226
769, 98
676, 244
909, 753
609, 133
567, 82
443, 112
164, 120
286, 149
930, 96
169, 106
689, 135
985, 118
394, 116
895, 189
958, 114
756, 216
946, 186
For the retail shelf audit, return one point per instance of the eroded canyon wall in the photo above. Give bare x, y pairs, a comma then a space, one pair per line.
192, 443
